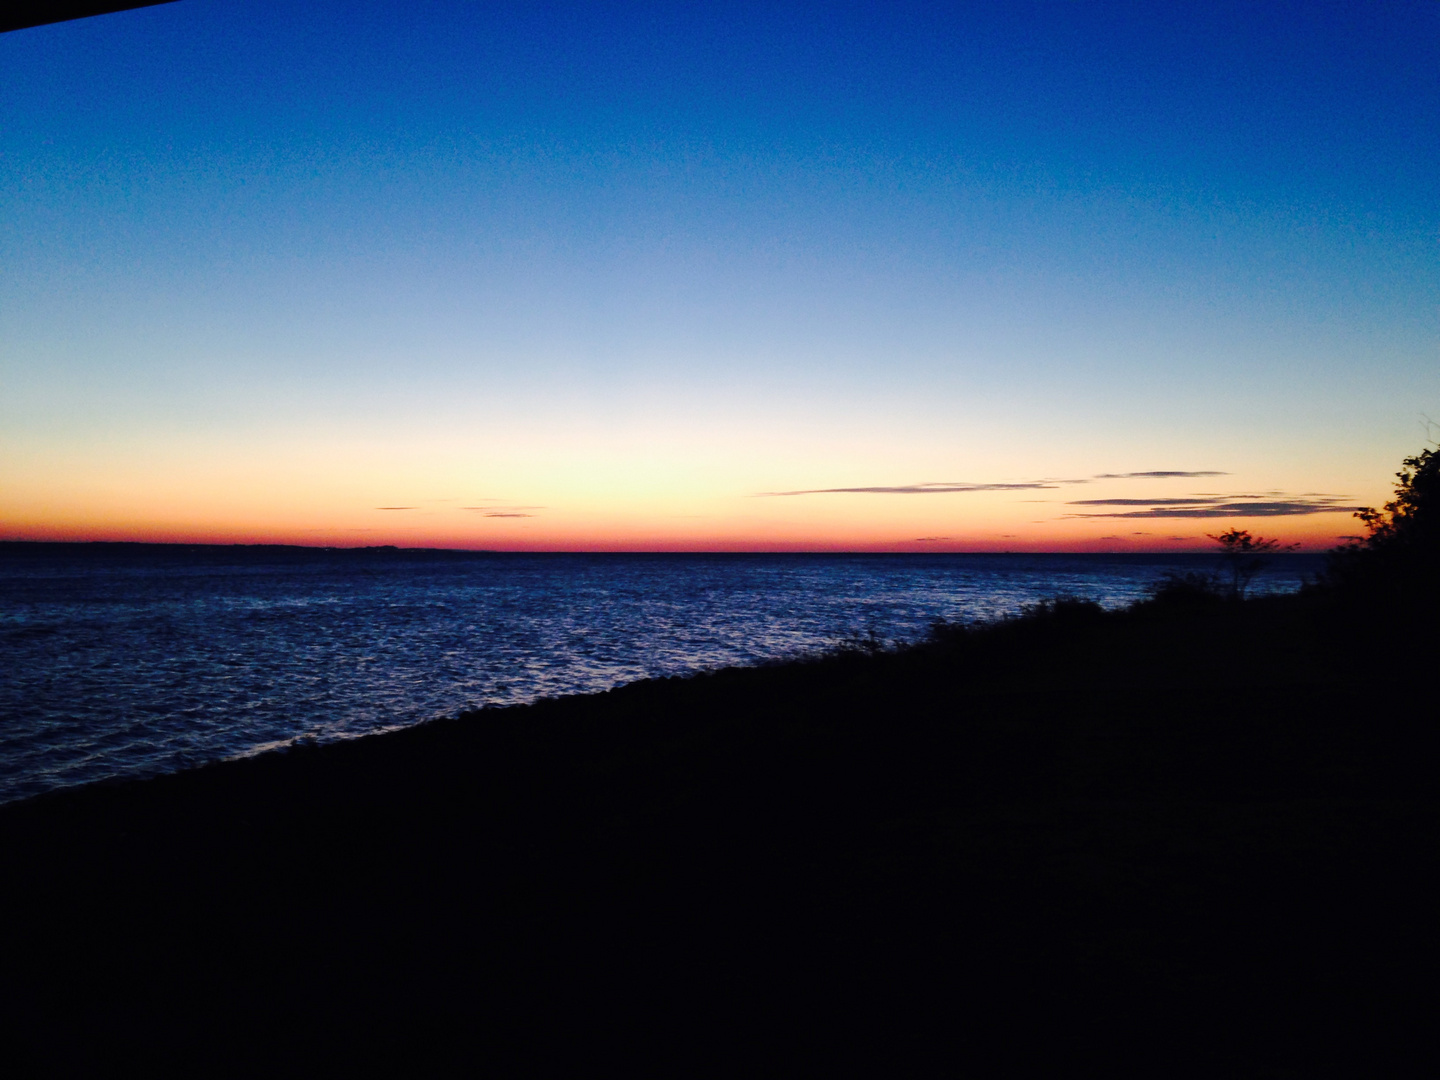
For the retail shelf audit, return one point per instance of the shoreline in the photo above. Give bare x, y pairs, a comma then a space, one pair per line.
144, 663
1068, 813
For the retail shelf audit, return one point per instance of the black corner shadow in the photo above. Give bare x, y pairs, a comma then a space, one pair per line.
21, 16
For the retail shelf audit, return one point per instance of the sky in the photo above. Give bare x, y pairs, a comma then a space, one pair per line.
869, 277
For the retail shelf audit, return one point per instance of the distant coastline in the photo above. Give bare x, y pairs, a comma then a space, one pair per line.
42, 547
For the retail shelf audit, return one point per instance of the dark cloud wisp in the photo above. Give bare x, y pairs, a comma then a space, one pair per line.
503, 510
1156, 474
1218, 506
1198, 500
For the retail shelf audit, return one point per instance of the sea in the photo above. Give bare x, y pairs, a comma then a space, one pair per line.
127, 660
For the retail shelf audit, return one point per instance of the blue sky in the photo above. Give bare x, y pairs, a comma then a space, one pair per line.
269, 267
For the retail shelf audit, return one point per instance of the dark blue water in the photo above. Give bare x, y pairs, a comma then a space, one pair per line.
119, 661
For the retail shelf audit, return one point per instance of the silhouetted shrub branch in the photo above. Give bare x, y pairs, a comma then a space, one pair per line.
1245, 556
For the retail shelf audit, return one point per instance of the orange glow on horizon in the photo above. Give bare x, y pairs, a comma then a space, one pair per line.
428, 498
1312, 536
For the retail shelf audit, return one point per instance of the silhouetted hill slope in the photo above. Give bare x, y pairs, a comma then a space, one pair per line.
1078, 836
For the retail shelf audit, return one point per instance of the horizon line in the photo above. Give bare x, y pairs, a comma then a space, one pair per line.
1209, 550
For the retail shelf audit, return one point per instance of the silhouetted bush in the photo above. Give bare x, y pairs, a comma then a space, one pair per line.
945, 631
1187, 591
1064, 609
1050, 612
869, 643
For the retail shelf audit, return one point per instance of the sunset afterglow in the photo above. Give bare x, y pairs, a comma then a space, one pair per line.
826, 280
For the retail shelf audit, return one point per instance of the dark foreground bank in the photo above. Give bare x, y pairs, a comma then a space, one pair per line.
1194, 835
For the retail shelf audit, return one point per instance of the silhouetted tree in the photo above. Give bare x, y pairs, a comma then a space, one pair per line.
1245, 556
1402, 550
1385, 586
1409, 520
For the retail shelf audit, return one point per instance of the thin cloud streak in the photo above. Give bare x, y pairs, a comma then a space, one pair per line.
1155, 474
923, 489
962, 487
1198, 501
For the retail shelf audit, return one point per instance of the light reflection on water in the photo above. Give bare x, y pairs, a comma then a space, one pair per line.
143, 663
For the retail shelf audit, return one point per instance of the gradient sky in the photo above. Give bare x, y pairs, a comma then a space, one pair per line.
666, 277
